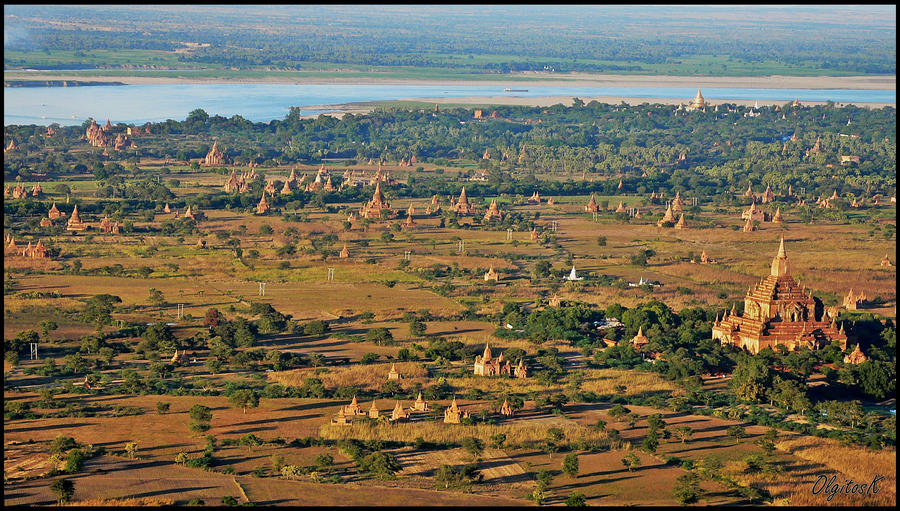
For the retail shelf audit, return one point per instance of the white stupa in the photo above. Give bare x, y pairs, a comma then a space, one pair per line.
572, 275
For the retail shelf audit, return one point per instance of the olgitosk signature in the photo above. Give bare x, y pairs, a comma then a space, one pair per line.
830, 487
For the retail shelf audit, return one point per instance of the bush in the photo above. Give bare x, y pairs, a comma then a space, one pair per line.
317, 327
380, 336
381, 465
576, 499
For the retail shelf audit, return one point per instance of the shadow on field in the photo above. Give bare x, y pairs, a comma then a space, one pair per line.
309, 406
454, 331
247, 430
702, 448
55, 426
157, 493
282, 419
619, 471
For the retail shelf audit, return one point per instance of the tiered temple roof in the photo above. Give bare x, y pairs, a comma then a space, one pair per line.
777, 219
491, 275
592, 206
453, 415
856, 357
399, 413
681, 223
214, 156
777, 311
486, 365
493, 211
667, 218
753, 213
75, 223
374, 207
54, 213
462, 206
263, 207
420, 405
853, 300
748, 226
677, 203
640, 339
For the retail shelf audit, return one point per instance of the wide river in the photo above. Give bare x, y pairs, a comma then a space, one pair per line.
137, 104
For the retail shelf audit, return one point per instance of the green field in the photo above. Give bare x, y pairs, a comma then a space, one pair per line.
122, 63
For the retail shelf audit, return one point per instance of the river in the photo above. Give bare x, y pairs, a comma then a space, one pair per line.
137, 104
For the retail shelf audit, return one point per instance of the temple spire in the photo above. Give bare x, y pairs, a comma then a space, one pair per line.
780, 266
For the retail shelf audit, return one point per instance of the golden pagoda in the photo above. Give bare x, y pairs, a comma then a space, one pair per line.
698, 101
640, 339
